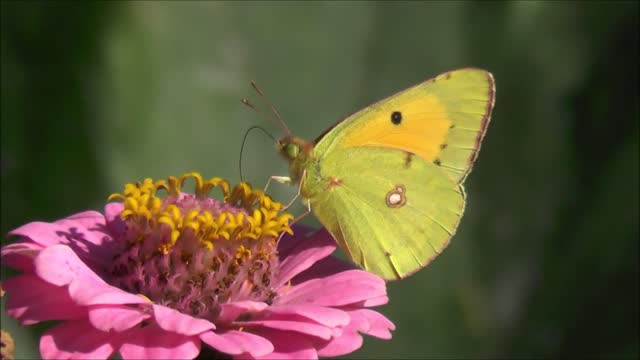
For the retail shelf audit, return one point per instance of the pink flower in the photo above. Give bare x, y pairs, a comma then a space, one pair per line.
157, 277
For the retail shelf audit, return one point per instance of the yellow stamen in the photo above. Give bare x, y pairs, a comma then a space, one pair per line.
257, 216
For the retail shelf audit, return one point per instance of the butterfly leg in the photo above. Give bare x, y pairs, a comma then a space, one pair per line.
303, 214
298, 218
280, 179
304, 172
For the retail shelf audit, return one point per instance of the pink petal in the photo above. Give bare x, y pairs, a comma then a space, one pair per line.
115, 317
323, 315
85, 233
287, 345
372, 323
363, 321
31, 300
323, 268
377, 301
237, 342
306, 253
59, 265
347, 343
116, 226
151, 342
88, 293
112, 211
20, 255
177, 322
43, 233
89, 238
230, 311
288, 242
303, 327
76, 340
345, 288
86, 219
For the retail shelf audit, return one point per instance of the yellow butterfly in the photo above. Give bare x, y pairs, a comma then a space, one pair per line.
387, 181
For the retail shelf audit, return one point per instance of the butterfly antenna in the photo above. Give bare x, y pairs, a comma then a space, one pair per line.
254, 108
244, 139
280, 122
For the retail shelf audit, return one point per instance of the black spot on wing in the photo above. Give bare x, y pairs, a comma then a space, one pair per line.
396, 117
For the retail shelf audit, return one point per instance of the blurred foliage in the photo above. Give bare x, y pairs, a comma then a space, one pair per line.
545, 263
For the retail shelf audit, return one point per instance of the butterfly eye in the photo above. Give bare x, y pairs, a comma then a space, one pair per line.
292, 150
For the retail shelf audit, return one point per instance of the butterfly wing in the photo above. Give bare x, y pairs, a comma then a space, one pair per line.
442, 120
391, 211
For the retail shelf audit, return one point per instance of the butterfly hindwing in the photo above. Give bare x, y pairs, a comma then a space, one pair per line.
391, 211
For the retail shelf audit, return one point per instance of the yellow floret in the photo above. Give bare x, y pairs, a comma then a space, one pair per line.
257, 216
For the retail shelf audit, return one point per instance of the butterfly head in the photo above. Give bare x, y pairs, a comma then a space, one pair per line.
292, 148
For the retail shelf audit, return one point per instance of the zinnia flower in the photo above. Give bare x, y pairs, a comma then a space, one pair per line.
155, 277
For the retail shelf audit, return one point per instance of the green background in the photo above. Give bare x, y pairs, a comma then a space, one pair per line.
545, 262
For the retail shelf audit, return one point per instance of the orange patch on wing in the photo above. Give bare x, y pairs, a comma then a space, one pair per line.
422, 131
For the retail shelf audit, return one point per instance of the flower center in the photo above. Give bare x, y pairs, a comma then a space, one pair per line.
191, 252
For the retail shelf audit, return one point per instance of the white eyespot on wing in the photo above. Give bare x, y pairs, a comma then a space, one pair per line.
396, 197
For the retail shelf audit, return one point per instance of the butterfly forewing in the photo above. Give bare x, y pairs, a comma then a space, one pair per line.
442, 120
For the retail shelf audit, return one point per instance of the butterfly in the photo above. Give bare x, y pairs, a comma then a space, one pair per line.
387, 181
